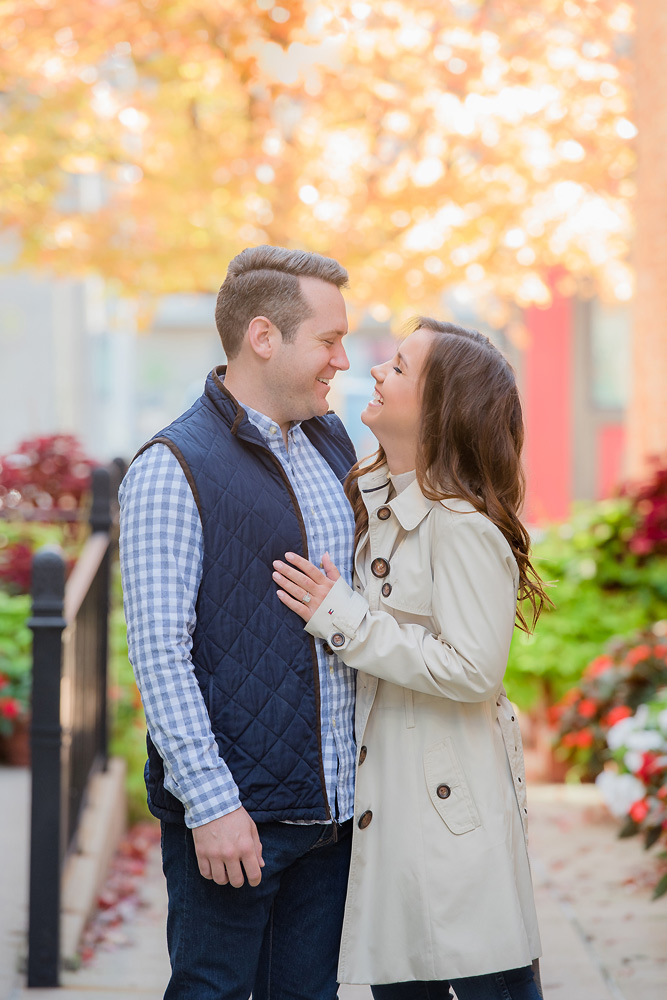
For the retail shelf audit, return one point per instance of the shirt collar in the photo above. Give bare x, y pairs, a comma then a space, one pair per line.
267, 427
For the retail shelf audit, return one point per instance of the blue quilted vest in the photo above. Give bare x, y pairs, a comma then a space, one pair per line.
255, 664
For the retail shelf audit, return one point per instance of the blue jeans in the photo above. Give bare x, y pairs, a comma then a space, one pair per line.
277, 940
514, 984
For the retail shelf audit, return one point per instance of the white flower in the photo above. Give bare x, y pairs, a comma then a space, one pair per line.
619, 791
662, 720
644, 739
633, 760
618, 734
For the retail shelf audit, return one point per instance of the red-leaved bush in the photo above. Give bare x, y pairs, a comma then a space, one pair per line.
650, 503
44, 474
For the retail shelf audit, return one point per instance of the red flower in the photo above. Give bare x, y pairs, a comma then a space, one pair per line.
587, 708
599, 666
4, 681
582, 738
638, 653
639, 810
648, 766
554, 713
616, 714
10, 708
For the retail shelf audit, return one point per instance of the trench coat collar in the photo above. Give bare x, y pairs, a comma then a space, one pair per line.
410, 506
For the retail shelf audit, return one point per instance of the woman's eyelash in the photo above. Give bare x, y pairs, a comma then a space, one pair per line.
397, 369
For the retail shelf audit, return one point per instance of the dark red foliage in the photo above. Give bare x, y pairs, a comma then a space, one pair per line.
45, 473
16, 567
650, 503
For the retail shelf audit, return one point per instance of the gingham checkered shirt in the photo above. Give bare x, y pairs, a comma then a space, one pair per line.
161, 552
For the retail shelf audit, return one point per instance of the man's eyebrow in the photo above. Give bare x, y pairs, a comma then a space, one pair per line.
334, 333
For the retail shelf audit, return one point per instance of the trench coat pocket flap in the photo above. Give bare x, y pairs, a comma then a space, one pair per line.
411, 600
448, 789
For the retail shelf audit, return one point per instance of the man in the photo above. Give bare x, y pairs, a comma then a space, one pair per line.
251, 748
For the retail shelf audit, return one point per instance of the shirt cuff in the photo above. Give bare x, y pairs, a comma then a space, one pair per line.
194, 819
338, 616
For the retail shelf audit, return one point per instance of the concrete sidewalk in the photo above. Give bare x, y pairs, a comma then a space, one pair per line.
603, 938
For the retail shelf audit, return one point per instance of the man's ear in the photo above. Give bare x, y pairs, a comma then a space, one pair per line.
262, 336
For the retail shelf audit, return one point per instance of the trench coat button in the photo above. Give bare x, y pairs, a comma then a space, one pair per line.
443, 791
383, 513
380, 567
362, 754
386, 589
327, 649
365, 819
337, 639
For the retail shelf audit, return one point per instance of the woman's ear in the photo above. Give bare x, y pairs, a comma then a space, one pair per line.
262, 335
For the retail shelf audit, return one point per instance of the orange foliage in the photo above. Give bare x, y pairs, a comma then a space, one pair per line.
421, 143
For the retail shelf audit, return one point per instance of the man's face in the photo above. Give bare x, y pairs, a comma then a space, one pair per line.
301, 370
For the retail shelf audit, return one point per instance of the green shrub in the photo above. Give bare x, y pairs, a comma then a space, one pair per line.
600, 589
15, 660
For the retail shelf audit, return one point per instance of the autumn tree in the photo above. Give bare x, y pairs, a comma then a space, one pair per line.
421, 142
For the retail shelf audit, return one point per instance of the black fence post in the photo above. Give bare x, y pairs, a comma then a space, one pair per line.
101, 520
100, 511
46, 835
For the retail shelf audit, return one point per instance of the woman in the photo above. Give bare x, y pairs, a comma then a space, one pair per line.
439, 890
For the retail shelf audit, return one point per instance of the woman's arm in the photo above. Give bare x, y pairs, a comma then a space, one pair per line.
473, 606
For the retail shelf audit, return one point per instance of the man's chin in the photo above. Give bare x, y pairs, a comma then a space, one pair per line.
317, 408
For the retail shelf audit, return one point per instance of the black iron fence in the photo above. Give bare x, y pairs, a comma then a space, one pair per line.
69, 713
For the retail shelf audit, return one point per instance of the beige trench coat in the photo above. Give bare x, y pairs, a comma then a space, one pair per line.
440, 884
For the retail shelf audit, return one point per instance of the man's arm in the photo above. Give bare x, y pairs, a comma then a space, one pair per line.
161, 551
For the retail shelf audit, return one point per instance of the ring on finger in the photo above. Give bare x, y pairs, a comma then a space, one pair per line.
306, 597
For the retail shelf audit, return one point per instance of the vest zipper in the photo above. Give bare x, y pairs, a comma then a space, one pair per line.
313, 650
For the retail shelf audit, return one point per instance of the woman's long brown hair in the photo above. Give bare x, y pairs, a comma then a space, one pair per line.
470, 443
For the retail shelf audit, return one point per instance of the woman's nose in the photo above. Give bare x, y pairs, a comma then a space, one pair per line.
377, 373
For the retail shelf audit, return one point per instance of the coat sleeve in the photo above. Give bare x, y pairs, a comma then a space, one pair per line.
473, 608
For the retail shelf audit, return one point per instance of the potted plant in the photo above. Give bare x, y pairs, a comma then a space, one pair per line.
614, 685
634, 782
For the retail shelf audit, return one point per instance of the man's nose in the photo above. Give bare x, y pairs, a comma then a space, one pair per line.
340, 359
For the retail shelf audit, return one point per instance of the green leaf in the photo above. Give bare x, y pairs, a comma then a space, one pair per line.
651, 836
661, 888
629, 828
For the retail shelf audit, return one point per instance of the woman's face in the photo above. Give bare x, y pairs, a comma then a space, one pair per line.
394, 412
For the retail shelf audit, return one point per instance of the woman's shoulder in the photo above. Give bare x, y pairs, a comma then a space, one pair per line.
461, 523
